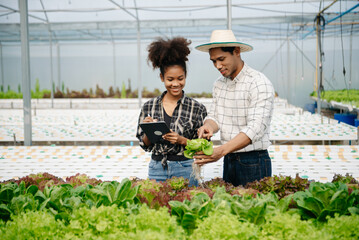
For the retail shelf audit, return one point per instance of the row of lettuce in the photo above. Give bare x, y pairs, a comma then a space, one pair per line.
278, 207
346, 96
98, 92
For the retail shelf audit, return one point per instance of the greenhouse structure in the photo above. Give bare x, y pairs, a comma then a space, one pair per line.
77, 78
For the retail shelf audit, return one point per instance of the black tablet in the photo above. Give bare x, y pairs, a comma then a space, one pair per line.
155, 130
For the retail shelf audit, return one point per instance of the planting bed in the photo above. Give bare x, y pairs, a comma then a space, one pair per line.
43, 206
316, 162
120, 126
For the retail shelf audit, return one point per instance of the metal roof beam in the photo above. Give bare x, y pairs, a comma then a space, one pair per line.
39, 30
162, 24
294, 19
17, 11
124, 9
165, 8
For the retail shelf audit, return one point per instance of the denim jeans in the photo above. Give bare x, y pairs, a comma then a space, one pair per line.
243, 167
173, 169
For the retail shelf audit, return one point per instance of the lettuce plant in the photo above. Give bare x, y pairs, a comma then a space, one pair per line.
178, 183
104, 222
323, 200
254, 210
39, 179
342, 227
109, 193
348, 179
221, 224
154, 194
82, 179
197, 145
15, 199
111, 222
280, 225
188, 212
32, 225
281, 185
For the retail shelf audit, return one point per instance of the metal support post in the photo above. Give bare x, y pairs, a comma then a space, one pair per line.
289, 95
2, 68
319, 62
114, 65
51, 72
229, 14
58, 66
25, 66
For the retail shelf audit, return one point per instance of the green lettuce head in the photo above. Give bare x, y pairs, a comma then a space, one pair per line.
197, 145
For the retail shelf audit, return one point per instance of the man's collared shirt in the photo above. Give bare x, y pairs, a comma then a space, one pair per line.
244, 104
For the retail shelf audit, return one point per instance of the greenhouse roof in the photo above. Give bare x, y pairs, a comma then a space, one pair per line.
117, 20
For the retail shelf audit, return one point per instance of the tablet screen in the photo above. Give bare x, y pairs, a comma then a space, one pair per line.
155, 130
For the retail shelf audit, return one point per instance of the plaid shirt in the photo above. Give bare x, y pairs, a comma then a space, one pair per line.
244, 104
187, 117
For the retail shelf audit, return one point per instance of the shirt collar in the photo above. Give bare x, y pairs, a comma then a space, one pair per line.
181, 100
237, 78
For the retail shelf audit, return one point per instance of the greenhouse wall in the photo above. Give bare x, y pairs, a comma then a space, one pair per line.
84, 65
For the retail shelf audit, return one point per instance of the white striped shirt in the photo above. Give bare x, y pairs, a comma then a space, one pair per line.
244, 104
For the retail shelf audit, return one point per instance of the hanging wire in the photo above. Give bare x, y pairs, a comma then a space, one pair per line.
334, 47
333, 73
296, 63
342, 45
322, 39
323, 56
289, 70
302, 41
265, 10
320, 23
351, 54
320, 5
277, 77
281, 62
277, 66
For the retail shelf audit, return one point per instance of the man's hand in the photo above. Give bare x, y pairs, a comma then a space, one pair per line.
202, 159
238, 142
205, 132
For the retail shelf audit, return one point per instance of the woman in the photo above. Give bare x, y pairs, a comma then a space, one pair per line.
182, 114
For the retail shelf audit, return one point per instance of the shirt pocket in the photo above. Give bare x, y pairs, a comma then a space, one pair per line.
185, 128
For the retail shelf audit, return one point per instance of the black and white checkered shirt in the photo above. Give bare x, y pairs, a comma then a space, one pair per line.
244, 104
187, 117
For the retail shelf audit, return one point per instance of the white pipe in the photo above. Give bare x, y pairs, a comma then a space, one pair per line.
229, 14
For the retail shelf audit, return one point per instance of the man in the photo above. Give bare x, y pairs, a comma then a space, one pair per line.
242, 110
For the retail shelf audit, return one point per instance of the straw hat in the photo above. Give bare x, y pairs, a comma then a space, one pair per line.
224, 38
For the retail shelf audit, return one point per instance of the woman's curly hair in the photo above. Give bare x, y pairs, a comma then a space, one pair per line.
168, 52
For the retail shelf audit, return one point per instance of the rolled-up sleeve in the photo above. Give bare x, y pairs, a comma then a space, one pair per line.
260, 109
